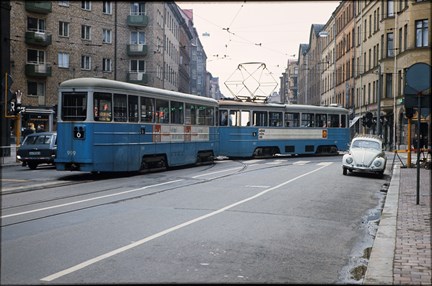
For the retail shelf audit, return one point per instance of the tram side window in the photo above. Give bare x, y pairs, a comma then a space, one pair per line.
333, 120
162, 111
177, 112
223, 117
205, 115
321, 120
234, 118
209, 116
133, 108
260, 118
190, 114
120, 107
245, 118
343, 122
147, 109
102, 106
307, 120
292, 119
275, 118
74, 106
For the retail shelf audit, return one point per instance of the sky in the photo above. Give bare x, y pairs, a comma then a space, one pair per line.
235, 33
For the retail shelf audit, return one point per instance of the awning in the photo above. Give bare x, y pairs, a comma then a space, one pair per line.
352, 122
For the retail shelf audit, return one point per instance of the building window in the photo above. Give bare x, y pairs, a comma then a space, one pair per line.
63, 60
422, 30
35, 24
390, 45
63, 29
86, 5
107, 36
137, 8
400, 41
390, 8
137, 66
107, 7
106, 65
35, 88
389, 85
85, 32
137, 38
64, 3
35, 56
85, 62
405, 36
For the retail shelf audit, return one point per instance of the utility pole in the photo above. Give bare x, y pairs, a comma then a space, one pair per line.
379, 101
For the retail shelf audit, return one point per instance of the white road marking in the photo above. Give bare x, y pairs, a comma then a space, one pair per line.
276, 162
301, 162
87, 200
169, 230
212, 173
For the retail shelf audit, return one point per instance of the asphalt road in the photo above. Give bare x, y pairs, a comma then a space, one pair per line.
284, 220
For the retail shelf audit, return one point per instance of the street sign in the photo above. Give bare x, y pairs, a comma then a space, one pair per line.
417, 89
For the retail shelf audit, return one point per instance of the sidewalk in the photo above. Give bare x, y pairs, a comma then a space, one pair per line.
401, 253
10, 160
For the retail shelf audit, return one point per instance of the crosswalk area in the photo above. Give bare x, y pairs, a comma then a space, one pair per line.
275, 162
281, 161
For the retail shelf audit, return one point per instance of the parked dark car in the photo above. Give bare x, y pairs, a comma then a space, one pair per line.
38, 148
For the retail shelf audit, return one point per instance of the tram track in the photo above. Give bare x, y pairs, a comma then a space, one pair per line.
190, 181
76, 197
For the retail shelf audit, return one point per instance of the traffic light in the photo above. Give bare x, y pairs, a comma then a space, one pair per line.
9, 95
367, 119
409, 112
364, 120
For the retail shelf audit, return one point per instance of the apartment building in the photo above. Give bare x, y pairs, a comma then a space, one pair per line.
288, 90
367, 46
147, 43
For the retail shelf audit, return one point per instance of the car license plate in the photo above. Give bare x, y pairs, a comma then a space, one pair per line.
34, 153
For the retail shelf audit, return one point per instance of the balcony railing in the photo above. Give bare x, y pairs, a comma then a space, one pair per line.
41, 7
137, 20
37, 70
137, 78
38, 38
137, 50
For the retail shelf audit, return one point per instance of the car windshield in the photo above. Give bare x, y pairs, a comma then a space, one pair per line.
366, 144
38, 140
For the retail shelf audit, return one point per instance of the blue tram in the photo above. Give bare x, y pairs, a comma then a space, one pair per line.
261, 130
112, 126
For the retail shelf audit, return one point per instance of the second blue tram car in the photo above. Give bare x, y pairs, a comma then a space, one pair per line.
261, 130
112, 126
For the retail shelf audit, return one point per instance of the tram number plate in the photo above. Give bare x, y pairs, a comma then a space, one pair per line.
34, 153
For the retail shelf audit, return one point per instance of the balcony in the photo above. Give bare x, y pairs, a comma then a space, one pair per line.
41, 7
137, 50
37, 70
38, 38
137, 78
137, 20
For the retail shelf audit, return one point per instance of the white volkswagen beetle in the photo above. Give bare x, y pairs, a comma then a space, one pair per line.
365, 155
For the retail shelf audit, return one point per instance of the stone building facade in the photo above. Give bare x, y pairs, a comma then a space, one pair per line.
367, 48
147, 43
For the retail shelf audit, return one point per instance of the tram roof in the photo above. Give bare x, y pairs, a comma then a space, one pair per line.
120, 86
294, 107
